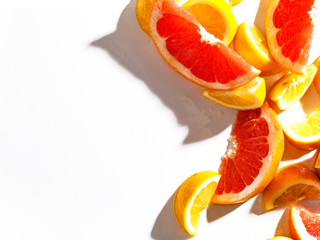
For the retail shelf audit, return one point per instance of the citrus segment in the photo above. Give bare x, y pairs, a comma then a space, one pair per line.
193, 52
250, 164
292, 183
215, 16
303, 131
291, 87
251, 44
248, 96
289, 28
192, 197
303, 223
317, 164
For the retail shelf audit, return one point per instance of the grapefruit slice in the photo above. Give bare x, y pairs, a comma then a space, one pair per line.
193, 52
289, 29
303, 223
252, 161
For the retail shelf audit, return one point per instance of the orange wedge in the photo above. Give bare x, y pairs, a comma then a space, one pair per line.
249, 96
215, 16
316, 79
291, 183
251, 44
192, 197
291, 87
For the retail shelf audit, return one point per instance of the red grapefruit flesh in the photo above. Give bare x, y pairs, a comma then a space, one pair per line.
249, 166
193, 52
289, 28
304, 224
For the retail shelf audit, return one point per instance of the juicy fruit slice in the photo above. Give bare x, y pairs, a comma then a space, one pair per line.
316, 79
251, 44
303, 131
249, 166
289, 28
303, 223
192, 197
215, 16
193, 52
290, 88
291, 184
143, 10
246, 97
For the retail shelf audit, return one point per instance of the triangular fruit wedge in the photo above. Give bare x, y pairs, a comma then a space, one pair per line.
255, 149
193, 52
289, 30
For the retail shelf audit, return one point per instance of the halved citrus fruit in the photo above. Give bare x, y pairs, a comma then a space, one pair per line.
289, 29
291, 87
215, 16
193, 52
251, 44
304, 224
255, 150
301, 129
192, 197
292, 183
246, 97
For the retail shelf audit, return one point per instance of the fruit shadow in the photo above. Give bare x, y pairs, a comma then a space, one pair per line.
166, 225
260, 18
135, 51
216, 211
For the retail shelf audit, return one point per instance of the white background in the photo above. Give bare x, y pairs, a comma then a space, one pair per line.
97, 132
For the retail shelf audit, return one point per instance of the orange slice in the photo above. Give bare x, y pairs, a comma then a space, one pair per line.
303, 223
316, 79
193, 52
192, 197
291, 87
251, 44
143, 10
301, 129
215, 16
292, 183
246, 97
256, 147
289, 28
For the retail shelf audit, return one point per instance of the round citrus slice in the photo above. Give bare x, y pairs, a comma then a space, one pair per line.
193, 52
291, 87
302, 131
251, 44
215, 16
246, 97
255, 149
289, 29
292, 183
192, 197
304, 224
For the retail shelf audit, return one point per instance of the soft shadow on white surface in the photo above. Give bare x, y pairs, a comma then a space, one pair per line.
216, 211
134, 51
166, 225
